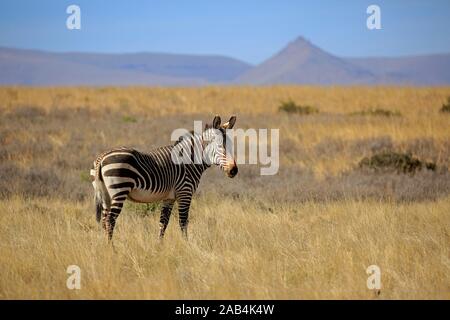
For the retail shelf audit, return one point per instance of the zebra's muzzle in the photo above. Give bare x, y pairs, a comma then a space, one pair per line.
233, 172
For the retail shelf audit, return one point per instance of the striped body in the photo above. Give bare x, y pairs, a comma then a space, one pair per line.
125, 173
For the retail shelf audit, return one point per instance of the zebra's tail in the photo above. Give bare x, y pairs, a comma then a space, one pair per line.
98, 206
101, 199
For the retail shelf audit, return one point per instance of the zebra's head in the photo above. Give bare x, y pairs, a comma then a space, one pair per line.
217, 149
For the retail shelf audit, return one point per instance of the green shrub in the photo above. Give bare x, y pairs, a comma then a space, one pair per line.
377, 112
129, 119
291, 107
401, 162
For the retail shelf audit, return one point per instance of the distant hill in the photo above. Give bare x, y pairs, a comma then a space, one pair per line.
418, 70
303, 63
300, 62
31, 67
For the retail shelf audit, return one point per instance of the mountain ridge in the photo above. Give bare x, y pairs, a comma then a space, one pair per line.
302, 62
299, 62
79, 68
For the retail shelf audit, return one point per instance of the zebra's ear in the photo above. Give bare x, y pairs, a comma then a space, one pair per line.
207, 126
216, 122
230, 123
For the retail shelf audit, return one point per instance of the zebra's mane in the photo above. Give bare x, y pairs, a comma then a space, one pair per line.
187, 135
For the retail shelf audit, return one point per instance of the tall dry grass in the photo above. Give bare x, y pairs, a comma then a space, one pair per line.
236, 250
308, 232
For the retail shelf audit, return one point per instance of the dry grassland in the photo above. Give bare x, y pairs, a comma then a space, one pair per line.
308, 232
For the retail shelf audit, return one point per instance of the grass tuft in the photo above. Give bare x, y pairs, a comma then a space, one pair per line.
291, 107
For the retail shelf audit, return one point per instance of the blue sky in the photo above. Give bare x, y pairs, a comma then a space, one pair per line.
247, 30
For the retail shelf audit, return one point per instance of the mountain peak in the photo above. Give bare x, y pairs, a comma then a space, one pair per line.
301, 40
303, 62
299, 46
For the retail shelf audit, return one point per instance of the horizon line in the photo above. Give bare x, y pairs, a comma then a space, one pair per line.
218, 55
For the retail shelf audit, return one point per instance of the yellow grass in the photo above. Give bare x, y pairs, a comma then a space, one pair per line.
306, 251
244, 248
254, 100
419, 108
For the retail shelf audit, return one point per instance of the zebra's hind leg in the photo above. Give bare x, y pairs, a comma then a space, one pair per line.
111, 217
104, 217
165, 216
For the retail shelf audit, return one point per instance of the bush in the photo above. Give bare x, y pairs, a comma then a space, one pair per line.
377, 112
401, 162
129, 119
291, 107
446, 106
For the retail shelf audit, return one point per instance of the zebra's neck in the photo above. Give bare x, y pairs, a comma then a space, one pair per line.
191, 148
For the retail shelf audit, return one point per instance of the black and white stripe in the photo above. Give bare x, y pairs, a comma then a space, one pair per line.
126, 173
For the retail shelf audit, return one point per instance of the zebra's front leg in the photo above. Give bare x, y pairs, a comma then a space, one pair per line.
165, 216
184, 204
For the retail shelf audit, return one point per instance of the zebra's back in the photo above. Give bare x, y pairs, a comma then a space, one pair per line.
143, 177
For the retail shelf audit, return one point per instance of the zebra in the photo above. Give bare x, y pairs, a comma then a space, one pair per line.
125, 173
